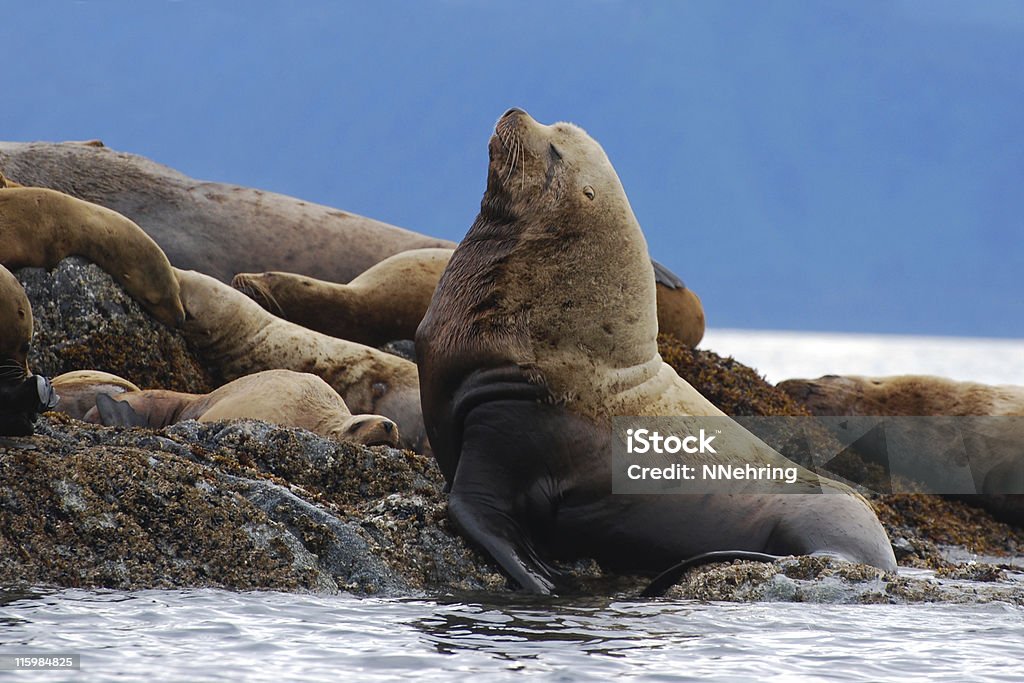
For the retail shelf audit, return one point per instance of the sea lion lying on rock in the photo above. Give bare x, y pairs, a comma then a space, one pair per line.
236, 337
215, 228
22, 394
40, 227
542, 329
281, 397
388, 301
986, 447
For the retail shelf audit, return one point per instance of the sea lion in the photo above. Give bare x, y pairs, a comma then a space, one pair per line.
15, 328
78, 390
903, 395
282, 397
236, 337
215, 228
22, 394
39, 228
388, 301
989, 440
542, 328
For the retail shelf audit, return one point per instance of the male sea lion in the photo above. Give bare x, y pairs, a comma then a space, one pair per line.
989, 441
282, 397
215, 228
78, 390
388, 301
22, 394
236, 337
39, 228
543, 327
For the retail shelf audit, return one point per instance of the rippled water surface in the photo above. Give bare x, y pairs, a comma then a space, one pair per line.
220, 635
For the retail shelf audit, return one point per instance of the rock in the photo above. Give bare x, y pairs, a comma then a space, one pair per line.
209, 505
827, 580
85, 321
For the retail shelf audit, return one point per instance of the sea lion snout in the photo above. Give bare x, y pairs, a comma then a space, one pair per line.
512, 112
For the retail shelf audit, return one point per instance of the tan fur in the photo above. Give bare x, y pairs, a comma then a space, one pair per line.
238, 338
910, 395
15, 328
215, 228
681, 314
388, 301
39, 228
282, 397
78, 390
384, 303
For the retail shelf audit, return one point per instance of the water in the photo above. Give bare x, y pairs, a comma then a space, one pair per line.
265, 636
217, 635
789, 355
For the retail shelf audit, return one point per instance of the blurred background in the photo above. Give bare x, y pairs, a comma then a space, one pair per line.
818, 166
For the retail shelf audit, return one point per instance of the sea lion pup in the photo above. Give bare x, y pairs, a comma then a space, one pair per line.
78, 390
22, 394
389, 300
236, 337
282, 397
39, 228
543, 328
215, 228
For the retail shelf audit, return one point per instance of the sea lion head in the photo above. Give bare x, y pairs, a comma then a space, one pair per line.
157, 289
260, 288
549, 171
368, 430
15, 329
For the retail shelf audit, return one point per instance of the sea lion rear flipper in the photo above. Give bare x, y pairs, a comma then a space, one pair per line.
115, 413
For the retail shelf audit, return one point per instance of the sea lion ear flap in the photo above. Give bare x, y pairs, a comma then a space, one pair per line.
117, 413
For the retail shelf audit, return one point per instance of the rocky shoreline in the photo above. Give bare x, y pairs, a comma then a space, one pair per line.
246, 505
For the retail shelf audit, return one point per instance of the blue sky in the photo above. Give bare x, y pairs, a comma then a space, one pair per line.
847, 166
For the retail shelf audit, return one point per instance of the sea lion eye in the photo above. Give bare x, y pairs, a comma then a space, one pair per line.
589, 191
555, 155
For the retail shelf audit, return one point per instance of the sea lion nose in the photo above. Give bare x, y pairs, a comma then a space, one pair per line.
513, 110
389, 427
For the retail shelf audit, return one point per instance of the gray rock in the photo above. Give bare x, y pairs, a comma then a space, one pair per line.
85, 321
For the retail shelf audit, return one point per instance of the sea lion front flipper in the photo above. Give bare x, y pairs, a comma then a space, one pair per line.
499, 535
499, 495
113, 413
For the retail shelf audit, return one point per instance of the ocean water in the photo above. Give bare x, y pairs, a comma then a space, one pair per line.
210, 635
789, 355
